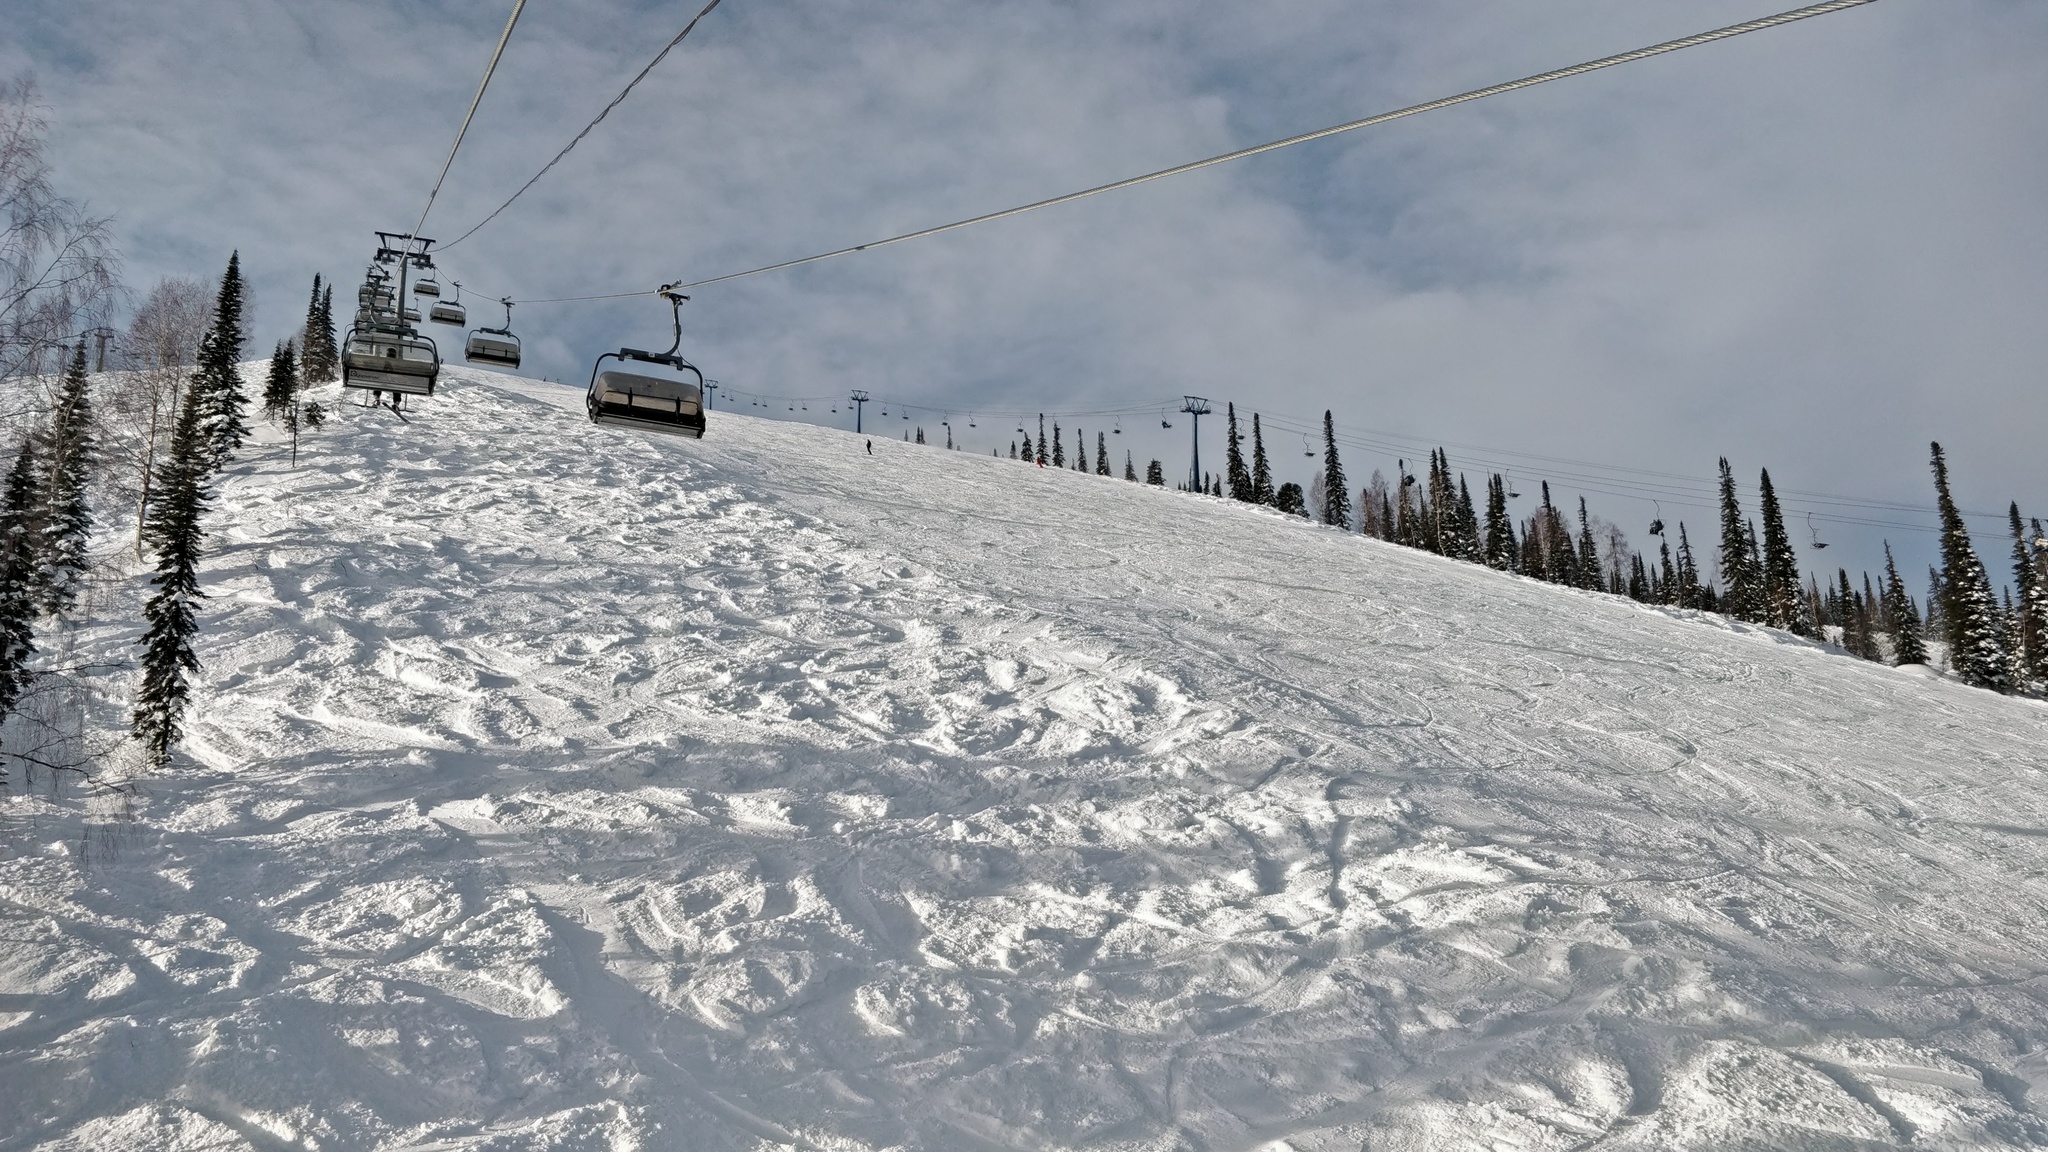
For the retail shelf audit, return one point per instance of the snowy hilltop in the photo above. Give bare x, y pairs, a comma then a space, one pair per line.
557, 787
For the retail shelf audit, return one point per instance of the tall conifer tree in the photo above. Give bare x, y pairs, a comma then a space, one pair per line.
1500, 530
1740, 574
21, 576
1336, 507
281, 388
1130, 467
2032, 626
1969, 611
1262, 474
1101, 454
330, 349
1688, 573
319, 338
1589, 552
1042, 448
66, 518
1781, 565
1234, 470
218, 379
174, 532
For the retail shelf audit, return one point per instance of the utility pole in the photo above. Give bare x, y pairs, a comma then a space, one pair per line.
860, 399
710, 395
1196, 407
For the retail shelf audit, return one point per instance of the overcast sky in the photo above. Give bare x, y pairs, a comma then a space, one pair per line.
1812, 249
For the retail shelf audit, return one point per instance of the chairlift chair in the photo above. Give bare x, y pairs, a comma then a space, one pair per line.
450, 311
1818, 543
667, 403
389, 358
494, 346
426, 286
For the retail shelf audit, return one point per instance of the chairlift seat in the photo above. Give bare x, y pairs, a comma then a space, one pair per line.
448, 312
636, 400
388, 359
486, 346
426, 286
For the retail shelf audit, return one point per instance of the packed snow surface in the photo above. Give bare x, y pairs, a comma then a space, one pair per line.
559, 787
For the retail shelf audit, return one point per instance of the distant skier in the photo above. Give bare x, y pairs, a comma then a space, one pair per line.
871, 447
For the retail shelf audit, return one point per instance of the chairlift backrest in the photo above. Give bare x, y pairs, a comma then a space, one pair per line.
492, 346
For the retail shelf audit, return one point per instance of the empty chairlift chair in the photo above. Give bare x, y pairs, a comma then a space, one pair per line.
671, 401
390, 358
497, 347
449, 311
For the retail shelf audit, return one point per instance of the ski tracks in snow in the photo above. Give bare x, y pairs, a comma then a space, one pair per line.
570, 788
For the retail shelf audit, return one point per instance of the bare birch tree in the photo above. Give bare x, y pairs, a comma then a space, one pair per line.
59, 274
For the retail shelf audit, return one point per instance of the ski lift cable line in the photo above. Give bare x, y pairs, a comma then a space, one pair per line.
518, 6
1694, 41
587, 128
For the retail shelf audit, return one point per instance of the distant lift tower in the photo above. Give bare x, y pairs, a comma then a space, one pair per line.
1197, 408
860, 399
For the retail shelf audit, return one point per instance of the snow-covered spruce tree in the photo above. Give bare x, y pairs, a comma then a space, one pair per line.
1102, 454
1080, 450
281, 388
1851, 620
66, 513
1336, 507
1690, 593
1234, 469
1130, 467
318, 353
1059, 447
1740, 573
920, 433
1589, 553
1042, 449
1969, 611
1469, 547
1781, 565
21, 576
1500, 530
2033, 604
1289, 499
330, 347
1262, 473
170, 616
1154, 474
218, 381
1030, 454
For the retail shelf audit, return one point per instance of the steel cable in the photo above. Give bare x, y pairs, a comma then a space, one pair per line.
616, 101
518, 6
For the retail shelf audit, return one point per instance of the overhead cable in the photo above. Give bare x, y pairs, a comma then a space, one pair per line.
1242, 153
1412, 110
616, 101
518, 6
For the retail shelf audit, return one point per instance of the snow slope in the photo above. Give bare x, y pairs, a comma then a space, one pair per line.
569, 788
